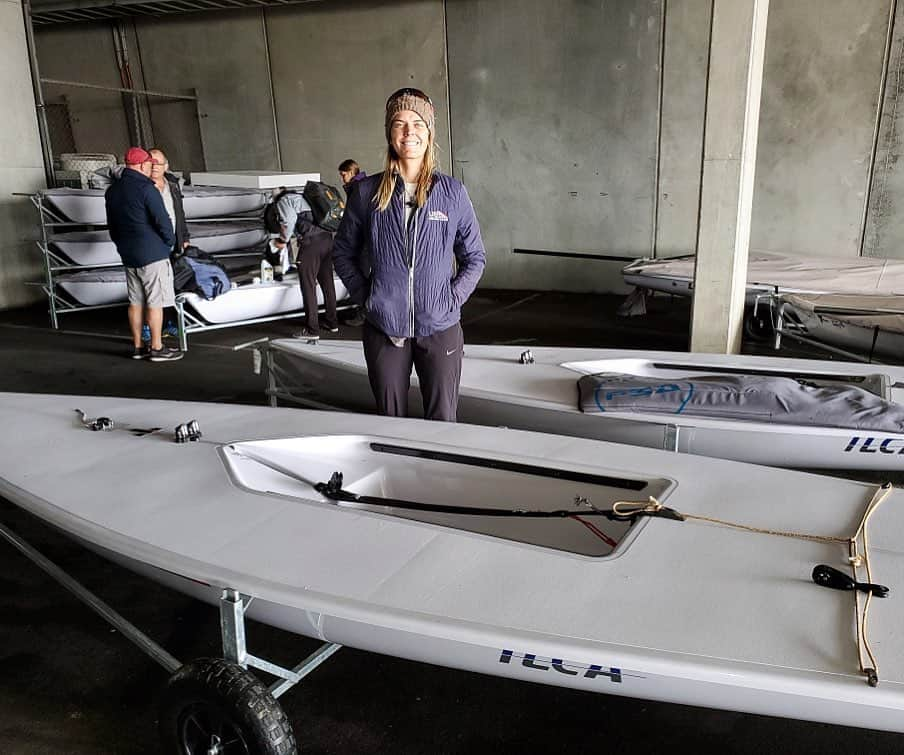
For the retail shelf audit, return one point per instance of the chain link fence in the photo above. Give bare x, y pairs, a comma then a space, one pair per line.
90, 127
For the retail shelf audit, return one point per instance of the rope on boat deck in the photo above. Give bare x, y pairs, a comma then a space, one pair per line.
857, 558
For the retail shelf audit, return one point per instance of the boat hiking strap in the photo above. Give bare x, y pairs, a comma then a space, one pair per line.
858, 557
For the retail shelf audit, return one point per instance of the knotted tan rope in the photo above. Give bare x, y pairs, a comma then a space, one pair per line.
856, 558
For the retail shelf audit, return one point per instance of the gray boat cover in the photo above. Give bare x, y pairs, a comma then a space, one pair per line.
754, 398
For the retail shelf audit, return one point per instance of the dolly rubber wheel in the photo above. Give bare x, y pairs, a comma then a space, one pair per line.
759, 326
213, 707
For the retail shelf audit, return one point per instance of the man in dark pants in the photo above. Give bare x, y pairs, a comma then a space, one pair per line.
315, 263
168, 186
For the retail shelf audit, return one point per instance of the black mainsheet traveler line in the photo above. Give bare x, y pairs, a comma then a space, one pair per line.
335, 492
510, 466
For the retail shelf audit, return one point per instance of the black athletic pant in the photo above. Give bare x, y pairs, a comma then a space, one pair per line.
436, 360
315, 265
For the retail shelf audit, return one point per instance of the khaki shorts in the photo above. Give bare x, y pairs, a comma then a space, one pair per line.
151, 285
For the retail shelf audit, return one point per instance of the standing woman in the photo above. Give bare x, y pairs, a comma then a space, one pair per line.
417, 228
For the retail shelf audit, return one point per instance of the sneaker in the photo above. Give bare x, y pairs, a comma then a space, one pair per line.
356, 321
141, 352
170, 330
332, 330
146, 333
306, 335
165, 354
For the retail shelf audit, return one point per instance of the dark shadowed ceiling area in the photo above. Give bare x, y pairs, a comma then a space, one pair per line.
46, 12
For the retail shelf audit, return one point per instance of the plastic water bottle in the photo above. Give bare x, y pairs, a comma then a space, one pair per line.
266, 272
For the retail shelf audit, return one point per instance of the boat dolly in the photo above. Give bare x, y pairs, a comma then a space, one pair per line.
211, 705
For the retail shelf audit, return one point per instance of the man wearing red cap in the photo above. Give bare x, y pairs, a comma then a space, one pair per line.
143, 233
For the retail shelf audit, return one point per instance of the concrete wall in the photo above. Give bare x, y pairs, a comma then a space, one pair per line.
552, 118
85, 53
686, 49
333, 69
554, 132
224, 58
21, 165
884, 232
820, 92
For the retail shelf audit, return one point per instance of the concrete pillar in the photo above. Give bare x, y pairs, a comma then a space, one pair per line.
21, 163
736, 51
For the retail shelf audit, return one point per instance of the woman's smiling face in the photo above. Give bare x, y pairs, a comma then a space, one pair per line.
409, 135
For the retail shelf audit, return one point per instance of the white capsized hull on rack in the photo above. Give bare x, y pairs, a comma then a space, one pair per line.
96, 247
95, 287
87, 205
733, 622
497, 389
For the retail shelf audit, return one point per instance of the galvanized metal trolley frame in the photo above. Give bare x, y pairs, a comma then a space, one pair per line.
232, 605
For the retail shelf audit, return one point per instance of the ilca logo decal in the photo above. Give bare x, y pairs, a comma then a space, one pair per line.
569, 668
871, 445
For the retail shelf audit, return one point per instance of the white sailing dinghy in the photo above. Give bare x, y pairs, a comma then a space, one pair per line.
557, 560
765, 410
771, 272
96, 247
255, 300
851, 305
103, 286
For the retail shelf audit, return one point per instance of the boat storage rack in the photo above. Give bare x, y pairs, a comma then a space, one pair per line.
772, 317
59, 303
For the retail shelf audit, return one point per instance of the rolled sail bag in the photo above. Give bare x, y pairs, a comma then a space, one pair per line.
753, 398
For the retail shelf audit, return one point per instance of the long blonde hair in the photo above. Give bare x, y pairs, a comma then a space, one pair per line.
391, 169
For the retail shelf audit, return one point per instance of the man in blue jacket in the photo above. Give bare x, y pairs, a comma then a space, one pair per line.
143, 233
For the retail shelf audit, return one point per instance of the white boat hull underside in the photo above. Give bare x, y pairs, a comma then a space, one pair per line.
95, 288
256, 300
87, 205
96, 247
497, 389
778, 273
680, 611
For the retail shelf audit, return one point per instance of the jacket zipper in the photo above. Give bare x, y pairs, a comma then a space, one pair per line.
415, 211
410, 246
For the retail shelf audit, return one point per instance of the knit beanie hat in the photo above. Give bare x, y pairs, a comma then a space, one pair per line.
409, 99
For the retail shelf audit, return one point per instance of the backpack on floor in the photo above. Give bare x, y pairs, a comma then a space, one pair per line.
326, 204
271, 215
195, 271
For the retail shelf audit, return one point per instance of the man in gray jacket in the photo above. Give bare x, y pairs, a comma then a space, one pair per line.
315, 262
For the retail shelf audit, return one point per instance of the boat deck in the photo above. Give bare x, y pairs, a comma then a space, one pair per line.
673, 594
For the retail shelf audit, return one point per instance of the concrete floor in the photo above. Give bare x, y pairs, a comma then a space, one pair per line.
71, 684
